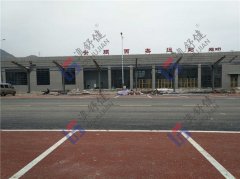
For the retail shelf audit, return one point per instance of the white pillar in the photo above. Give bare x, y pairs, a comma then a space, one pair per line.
109, 78
81, 79
176, 78
199, 76
238, 81
3, 76
153, 77
131, 77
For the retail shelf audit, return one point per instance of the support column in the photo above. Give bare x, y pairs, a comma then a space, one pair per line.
81, 80
3, 76
199, 76
153, 77
131, 77
109, 78
176, 78
33, 83
238, 81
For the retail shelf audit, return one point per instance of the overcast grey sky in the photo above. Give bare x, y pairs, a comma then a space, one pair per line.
57, 28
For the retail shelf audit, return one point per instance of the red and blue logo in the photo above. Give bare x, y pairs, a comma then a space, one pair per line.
68, 66
72, 128
168, 67
176, 135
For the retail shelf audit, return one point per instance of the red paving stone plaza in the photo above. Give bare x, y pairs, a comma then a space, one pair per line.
118, 154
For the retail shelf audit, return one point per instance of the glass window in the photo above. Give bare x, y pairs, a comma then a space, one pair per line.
43, 76
69, 76
16, 77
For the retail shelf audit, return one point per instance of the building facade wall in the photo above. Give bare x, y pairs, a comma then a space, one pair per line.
111, 75
227, 70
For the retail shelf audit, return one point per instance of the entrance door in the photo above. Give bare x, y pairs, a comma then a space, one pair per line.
234, 81
91, 84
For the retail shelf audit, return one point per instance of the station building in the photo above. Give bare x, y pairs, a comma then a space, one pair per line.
220, 70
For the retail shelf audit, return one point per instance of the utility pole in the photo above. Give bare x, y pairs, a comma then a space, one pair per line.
122, 61
136, 72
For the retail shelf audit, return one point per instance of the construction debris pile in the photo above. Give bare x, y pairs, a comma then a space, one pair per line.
74, 92
124, 92
129, 92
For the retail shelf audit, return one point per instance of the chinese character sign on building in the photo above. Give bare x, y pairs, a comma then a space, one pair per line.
190, 49
211, 49
106, 52
126, 51
147, 50
169, 49
218, 49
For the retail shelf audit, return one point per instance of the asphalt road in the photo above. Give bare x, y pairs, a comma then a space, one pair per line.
135, 113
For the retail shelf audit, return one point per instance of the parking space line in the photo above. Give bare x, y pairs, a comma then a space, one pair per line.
116, 96
214, 162
41, 157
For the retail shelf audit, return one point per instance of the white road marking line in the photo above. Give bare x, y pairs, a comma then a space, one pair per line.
16, 105
185, 96
116, 96
223, 114
72, 105
172, 97
103, 130
41, 157
218, 96
211, 105
190, 105
227, 97
149, 96
214, 162
132, 105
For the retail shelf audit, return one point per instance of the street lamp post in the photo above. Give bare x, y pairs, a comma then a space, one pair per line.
1, 78
122, 61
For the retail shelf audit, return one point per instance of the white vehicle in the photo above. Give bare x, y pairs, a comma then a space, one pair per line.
7, 88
